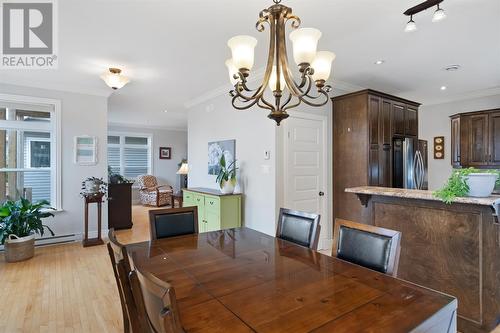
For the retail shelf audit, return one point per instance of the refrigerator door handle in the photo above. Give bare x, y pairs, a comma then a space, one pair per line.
405, 167
418, 170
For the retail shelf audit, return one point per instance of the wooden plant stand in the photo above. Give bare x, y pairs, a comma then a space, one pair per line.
93, 198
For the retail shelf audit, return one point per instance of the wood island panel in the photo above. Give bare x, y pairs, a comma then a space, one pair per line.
453, 248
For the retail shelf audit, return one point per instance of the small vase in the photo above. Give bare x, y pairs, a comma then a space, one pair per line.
227, 187
91, 187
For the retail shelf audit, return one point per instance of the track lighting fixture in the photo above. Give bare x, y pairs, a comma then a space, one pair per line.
438, 15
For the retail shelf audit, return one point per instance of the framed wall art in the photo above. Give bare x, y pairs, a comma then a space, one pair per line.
165, 153
85, 150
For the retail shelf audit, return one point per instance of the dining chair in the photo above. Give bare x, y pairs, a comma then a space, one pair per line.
373, 247
173, 222
157, 301
299, 227
121, 269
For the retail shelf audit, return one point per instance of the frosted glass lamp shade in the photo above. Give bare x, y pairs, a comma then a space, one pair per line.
114, 79
231, 68
438, 15
273, 82
183, 170
305, 43
410, 26
322, 65
242, 48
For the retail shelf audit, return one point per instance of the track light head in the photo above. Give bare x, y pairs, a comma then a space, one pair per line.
411, 25
438, 15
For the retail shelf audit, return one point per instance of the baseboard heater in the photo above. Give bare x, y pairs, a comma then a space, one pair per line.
52, 240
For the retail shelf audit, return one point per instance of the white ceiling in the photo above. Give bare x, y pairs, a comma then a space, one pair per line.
174, 51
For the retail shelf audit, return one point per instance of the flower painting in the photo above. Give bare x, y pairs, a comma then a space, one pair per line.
215, 151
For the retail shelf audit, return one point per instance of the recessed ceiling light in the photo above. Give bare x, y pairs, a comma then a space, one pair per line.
379, 62
452, 68
443, 87
165, 111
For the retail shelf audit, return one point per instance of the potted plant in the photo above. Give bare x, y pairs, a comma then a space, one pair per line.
226, 177
19, 222
94, 186
116, 178
469, 182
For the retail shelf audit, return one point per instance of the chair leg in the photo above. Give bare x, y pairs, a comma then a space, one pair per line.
126, 324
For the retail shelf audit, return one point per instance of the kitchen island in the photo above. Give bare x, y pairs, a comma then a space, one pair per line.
453, 248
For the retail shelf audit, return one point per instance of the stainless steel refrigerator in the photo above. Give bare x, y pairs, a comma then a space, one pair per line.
409, 169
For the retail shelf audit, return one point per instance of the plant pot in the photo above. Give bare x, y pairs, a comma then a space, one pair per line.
480, 184
227, 187
19, 248
92, 187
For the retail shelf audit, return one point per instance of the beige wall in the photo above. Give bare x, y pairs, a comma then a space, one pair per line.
434, 121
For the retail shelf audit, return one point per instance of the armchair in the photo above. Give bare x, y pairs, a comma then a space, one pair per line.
153, 195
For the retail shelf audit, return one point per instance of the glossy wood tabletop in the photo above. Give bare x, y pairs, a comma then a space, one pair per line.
240, 280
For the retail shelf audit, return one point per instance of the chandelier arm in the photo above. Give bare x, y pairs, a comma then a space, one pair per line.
283, 59
288, 99
243, 107
266, 104
291, 106
322, 94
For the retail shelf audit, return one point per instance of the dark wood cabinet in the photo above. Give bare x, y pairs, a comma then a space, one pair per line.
455, 141
398, 115
364, 125
120, 206
475, 139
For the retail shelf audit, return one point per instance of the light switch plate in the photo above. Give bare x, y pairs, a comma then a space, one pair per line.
267, 154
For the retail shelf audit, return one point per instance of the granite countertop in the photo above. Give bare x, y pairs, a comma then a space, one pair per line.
209, 191
493, 200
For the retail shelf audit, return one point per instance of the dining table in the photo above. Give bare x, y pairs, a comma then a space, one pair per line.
242, 280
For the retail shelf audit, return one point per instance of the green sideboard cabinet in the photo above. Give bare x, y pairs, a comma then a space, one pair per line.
216, 211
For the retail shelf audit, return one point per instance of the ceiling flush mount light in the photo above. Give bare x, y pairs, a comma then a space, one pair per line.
439, 14
443, 88
114, 79
452, 68
314, 67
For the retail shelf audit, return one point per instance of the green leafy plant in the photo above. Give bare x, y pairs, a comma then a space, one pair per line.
456, 186
116, 178
99, 183
23, 218
226, 173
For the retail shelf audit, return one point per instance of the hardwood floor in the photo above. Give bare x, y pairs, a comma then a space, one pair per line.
65, 288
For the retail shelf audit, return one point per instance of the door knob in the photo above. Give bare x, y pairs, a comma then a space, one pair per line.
321, 193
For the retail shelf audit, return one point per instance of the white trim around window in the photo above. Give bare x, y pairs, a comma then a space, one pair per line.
54, 127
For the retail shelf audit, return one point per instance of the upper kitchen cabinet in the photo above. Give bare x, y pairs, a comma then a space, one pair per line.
475, 139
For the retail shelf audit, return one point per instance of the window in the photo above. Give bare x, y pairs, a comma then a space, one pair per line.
29, 149
129, 154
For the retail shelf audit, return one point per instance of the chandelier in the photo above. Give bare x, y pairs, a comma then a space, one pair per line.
313, 67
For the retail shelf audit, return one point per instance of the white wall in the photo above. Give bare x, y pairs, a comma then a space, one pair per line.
434, 121
254, 134
164, 170
80, 115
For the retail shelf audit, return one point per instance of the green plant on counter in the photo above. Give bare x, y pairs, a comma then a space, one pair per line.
456, 186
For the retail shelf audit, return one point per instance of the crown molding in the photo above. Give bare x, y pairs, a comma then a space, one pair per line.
141, 126
466, 96
258, 75
103, 92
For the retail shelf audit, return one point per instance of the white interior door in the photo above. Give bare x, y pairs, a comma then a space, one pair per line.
305, 182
